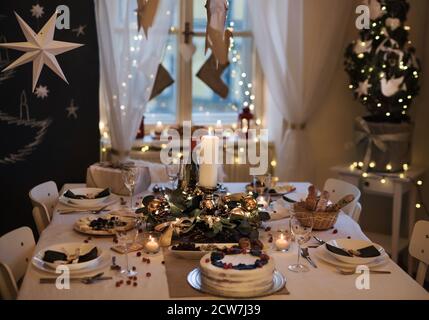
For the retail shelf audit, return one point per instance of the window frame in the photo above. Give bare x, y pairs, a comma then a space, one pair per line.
184, 76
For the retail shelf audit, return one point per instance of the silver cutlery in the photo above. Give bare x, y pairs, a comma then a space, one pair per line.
320, 241
85, 280
93, 211
348, 272
306, 255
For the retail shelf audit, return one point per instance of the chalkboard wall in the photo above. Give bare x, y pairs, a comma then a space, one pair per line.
51, 135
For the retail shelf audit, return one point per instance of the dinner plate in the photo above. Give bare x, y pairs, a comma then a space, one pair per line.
194, 280
111, 199
68, 248
90, 192
82, 225
353, 244
197, 255
322, 254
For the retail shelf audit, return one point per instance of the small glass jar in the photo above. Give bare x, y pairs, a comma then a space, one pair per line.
151, 243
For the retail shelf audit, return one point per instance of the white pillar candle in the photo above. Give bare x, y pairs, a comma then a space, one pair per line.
208, 161
152, 246
282, 243
158, 127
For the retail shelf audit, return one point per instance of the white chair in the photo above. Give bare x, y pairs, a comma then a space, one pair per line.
16, 250
44, 197
419, 248
338, 189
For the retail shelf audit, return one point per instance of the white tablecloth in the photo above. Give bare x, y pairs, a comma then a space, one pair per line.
321, 283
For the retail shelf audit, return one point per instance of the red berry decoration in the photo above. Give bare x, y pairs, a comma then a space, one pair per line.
268, 229
118, 284
163, 262
207, 260
135, 284
335, 231
148, 274
86, 241
134, 268
128, 282
139, 254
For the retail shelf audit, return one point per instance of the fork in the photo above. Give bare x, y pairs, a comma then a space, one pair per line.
95, 211
371, 271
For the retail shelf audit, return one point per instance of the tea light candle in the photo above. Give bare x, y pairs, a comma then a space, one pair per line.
152, 246
262, 202
281, 243
209, 160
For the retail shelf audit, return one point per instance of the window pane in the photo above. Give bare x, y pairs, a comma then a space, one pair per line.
163, 107
207, 106
237, 15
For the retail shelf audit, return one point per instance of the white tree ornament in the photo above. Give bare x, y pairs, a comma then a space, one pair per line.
40, 48
363, 88
392, 86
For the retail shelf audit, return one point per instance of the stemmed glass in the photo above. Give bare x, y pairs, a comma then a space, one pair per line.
172, 173
301, 226
130, 176
126, 240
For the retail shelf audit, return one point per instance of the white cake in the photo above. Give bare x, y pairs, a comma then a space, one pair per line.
232, 280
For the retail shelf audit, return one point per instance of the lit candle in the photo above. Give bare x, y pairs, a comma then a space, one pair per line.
158, 127
152, 246
208, 161
262, 202
281, 243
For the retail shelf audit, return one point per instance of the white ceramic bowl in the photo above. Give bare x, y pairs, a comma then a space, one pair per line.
87, 192
351, 244
70, 248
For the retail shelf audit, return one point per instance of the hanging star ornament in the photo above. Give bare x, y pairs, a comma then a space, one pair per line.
79, 30
37, 11
40, 48
146, 12
41, 92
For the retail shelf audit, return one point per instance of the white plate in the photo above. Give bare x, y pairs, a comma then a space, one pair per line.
296, 196
82, 225
197, 255
351, 244
111, 199
68, 248
88, 192
322, 254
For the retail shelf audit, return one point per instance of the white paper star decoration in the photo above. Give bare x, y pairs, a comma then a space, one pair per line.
40, 48
41, 92
363, 88
37, 11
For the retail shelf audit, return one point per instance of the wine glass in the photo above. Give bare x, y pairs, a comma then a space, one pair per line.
172, 173
301, 226
130, 176
126, 240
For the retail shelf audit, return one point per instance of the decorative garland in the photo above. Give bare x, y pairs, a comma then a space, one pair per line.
216, 258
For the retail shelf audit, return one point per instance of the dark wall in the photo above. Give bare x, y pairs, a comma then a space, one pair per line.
52, 144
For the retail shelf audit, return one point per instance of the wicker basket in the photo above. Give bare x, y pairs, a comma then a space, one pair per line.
321, 220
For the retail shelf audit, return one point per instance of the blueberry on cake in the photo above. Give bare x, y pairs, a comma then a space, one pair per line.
237, 272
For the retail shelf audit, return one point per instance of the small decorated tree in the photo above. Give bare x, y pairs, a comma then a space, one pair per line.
384, 74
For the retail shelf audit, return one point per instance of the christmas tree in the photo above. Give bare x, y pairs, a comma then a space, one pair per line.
382, 64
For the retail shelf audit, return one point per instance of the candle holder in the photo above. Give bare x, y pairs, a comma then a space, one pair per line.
281, 241
208, 203
151, 243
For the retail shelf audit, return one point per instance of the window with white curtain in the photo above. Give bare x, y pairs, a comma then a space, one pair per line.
189, 97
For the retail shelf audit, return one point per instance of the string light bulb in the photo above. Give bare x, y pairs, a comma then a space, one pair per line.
388, 167
418, 205
372, 164
420, 182
383, 180
365, 175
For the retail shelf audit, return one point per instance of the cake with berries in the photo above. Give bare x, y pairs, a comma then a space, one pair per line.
236, 272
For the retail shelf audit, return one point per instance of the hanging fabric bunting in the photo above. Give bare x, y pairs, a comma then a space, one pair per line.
162, 81
216, 35
146, 11
211, 72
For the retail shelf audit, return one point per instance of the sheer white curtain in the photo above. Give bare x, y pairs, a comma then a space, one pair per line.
300, 43
128, 65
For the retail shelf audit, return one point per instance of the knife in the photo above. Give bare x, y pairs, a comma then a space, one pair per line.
306, 255
53, 280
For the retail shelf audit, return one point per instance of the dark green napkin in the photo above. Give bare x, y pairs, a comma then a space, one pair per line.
367, 252
52, 256
91, 255
101, 194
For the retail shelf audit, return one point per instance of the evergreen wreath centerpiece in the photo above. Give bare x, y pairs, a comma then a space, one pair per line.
384, 75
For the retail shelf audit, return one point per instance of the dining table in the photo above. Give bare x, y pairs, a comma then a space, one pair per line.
323, 282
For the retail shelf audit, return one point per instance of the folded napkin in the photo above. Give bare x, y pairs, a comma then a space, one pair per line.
101, 194
280, 210
367, 252
51, 256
